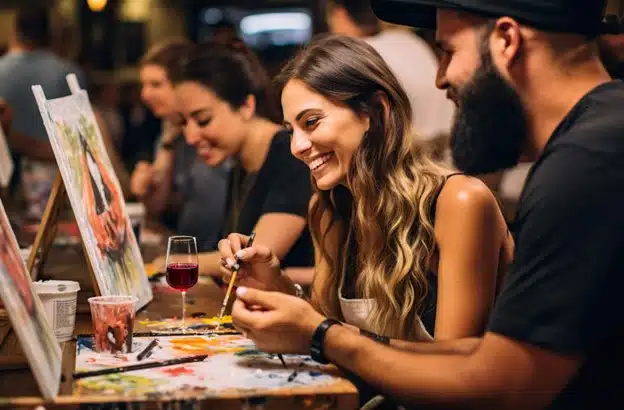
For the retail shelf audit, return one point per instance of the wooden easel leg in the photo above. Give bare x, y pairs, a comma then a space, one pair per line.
47, 229
47, 232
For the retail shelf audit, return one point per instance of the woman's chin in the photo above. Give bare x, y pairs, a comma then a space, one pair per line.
326, 182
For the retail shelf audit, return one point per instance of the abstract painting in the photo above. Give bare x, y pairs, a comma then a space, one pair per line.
95, 196
26, 313
233, 366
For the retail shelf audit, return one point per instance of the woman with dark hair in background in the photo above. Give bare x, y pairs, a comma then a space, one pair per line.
178, 187
228, 110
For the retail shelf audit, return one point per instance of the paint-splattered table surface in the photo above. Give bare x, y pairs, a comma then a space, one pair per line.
18, 390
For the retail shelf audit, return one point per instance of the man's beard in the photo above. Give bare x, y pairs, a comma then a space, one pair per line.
490, 123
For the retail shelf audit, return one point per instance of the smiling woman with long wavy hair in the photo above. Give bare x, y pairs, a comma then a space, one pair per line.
405, 247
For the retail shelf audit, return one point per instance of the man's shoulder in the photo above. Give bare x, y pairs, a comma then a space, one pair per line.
596, 127
585, 165
8, 63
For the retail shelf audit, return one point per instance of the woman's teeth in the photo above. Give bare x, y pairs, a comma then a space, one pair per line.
319, 161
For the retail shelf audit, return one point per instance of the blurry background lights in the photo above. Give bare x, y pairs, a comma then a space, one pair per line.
97, 5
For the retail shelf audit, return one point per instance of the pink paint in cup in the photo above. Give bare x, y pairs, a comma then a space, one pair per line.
113, 322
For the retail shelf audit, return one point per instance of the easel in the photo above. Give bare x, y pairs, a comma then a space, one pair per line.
46, 232
48, 227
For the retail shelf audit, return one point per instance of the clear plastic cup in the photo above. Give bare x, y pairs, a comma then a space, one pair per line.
113, 322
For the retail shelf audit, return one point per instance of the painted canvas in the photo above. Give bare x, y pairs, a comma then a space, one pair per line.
6, 161
26, 313
95, 196
233, 367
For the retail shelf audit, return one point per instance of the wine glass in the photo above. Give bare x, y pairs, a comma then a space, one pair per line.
182, 267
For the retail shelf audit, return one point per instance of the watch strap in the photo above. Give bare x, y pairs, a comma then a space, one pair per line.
316, 348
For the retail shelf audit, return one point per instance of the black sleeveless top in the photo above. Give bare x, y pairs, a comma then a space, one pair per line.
428, 313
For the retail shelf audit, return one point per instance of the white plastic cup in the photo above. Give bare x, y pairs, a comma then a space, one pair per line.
136, 213
59, 299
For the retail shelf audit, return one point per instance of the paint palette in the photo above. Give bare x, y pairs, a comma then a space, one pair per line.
233, 365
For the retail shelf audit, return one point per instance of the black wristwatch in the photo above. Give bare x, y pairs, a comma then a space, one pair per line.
316, 348
378, 338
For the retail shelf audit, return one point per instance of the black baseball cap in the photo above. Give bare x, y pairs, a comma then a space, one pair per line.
571, 16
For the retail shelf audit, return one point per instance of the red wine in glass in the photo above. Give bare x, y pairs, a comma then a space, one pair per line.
182, 267
182, 276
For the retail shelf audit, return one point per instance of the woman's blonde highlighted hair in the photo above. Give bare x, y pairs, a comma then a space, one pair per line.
393, 185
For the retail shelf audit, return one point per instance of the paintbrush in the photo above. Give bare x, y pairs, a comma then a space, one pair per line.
147, 352
295, 372
282, 360
151, 365
232, 280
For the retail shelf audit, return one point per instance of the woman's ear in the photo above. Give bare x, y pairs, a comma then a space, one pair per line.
248, 109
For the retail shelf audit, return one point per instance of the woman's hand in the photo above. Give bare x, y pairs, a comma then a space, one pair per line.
259, 268
277, 323
142, 178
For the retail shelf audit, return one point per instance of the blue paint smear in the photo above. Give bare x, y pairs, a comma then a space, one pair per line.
84, 343
315, 373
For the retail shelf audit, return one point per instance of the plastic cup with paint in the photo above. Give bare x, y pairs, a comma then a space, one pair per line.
136, 213
113, 322
59, 304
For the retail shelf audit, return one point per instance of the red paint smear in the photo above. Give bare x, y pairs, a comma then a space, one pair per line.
179, 371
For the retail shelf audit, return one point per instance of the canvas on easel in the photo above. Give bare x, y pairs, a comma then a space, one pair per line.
94, 194
26, 314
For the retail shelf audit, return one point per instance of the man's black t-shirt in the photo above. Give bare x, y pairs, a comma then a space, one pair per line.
564, 291
281, 185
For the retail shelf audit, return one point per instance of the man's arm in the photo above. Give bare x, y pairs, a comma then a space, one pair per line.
500, 373
30, 147
457, 346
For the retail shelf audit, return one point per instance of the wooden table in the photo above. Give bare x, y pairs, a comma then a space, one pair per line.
19, 391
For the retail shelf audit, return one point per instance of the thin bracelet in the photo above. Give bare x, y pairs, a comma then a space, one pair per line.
299, 292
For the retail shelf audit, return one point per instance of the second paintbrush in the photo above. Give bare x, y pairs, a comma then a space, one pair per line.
232, 281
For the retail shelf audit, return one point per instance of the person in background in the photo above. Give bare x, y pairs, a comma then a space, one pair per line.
109, 122
177, 187
29, 62
528, 82
410, 58
106, 101
227, 108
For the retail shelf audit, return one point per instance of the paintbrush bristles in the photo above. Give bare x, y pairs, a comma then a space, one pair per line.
236, 267
227, 298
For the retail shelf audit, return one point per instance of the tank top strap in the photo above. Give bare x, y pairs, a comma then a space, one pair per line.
434, 203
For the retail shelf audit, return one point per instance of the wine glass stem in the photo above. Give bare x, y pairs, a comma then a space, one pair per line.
184, 310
